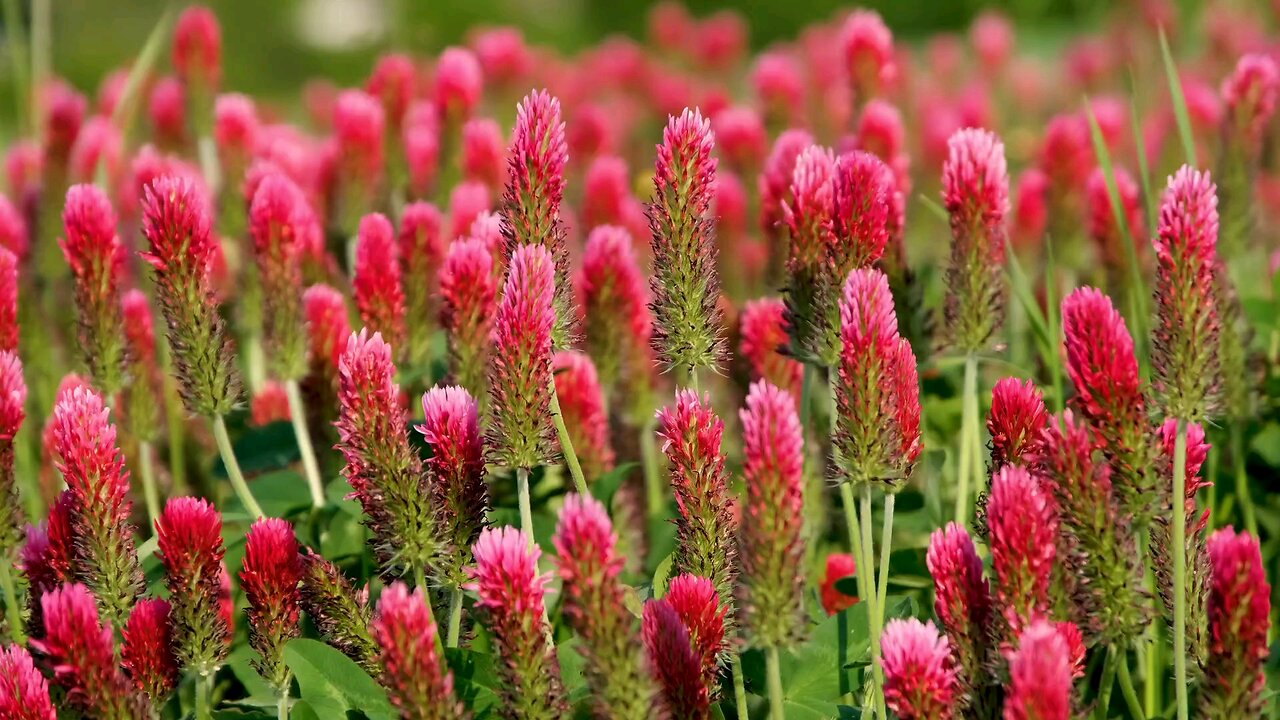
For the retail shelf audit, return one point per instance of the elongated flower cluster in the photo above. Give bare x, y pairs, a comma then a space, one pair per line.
1017, 423
175, 221
919, 676
764, 339
510, 604
595, 605
451, 427
1251, 94
340, 613
378, 288
1239, 609
975, 193
24, 693
1184, 348
93, 250
612, 288
420, 683
706, 614
808, 218
582, 404
772, 539
878, 395
1023, 528
270, 578
422, 251
468, 289
386, 475
13, 400
1040, 675
963, 604
140, 413
47, 558
80, 650
867, 47
687, 320
328, 327
535, 189
1102, 365
93, 466
189, 533
359, 124
520, 382
276, 216
705, 530
1197, 556
676, 665
146, 653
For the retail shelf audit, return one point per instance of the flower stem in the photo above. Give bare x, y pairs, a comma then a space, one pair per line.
855, 540
739, 686
150, 494
873, 609
1106, 683
657, 494
774, 669
1242, 480
455, 616
298, 415
282, 706
566, 444
204, 699
968, 437
526, 512
238, 484
175, 415
1127, 690
420, 582
1179, 589
886, 540
11, 610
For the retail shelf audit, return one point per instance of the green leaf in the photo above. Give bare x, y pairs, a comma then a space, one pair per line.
573, 670
1179, 102
1022, 291
473, 679
1267, 444
239, 713
261, 449
333, 684
152, 50
281, 493
301, 710
604, 487
661, 576
934, 207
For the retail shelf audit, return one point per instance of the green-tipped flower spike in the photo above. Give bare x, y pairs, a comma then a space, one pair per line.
595, 605
175, 220
276, 214
975, 191
688, 328
1184, 343
772, 540
93, 250
190, 547
535, 189
422, 249
340, 612
468, 288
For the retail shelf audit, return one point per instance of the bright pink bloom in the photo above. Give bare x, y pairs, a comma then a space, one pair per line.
451, 427
1023, 529
13, 227
1197, 453
24, 167
197, 47
1017, 422
1251, 93
13, 398
839, 567
421, 250
1031, 209
617, 323
189, 535
276, 216
775, 185
1239, 610
742, 137
467, 201
764, 339
778, 82
962, 599
720, 40
392, 82
328, 324
96, 256
1040, 675
420, 137
919, 673
992, 36
861, 187
503, 55
419, 681
13, 395
63, 117
167, 113
8, 300
483, 152
676, 665
270, 577
880, 130
378, 290
606, 192
270, 404
698, 604
867, 46
458, 84
98, 146
582, 404
146, 653
1106, 233
976, 194
24, 693
235, 129
359, 125
468, 289
79, 648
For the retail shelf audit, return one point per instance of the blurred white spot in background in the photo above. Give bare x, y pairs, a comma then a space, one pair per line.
341, 24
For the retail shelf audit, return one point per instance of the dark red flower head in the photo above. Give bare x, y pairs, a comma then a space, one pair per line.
270, 578
189, 536
377, 284
1017, 422
147, 652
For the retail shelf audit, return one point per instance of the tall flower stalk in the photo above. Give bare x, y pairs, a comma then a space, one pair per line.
93, 250
270, 578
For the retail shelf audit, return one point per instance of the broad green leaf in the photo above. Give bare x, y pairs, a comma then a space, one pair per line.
239, 713
1267, 444
934, 207
1022, 291
332, 683
260, 693
473, 679
301, 710
604, 487
573, 670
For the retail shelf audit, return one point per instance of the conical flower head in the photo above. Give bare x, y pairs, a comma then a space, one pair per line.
705, 530
618, 326
975, 182
24, 693
47, 558
328, 326
676, 665
595, 605
8, 300
359, 125
511, 605
866, 44
1017, 422
705, 613
277, 214
451, 427
79, 649
520, 382
270, 578
341, 613
1023, 528
93, 467
378, 288
962, 602
582, 404
197, 47
468, 292
422, 249
419, 682
175, 221
1040, 675
13, 400
1239, 618
189, 535
147, 652
1251, 93
535, 189
772, 539
93, 250
775, 183
139, 399
807, 215
765, 336
1184, 347
686, 290
919, 673
385, 474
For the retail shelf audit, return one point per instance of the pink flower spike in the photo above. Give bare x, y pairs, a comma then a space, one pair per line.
270, 577
393, 82
270, 405
483, 152
377, 284
618, 327
458, 84
1040, 675
1017, 422
451, 427
742, 137
235, 130
1251, 93
79, 649
167, 112
919, 675
146, 652
99, 146
1108, 234
277, 215
962, 602
869, 59
503, 54
189, 534
1023, 527
419, 681
359, 124
676, 665
765, 337
96, 256
975, 192
328, 324
8, 300
1239, 611
197, 47
24, 693
468, 200
775, 185
705, 614
422, 249
582, 404
468, 291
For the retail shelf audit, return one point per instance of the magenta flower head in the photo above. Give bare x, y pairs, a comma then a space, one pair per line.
235, 129
775, 186
189, 532
328, 326
676, 666
743, 138
93, 467
1017, 423
386, 475
1251, 93
341, 613
175, 221
520, 382
420, 137
1239, 618
861, 190
147, 653
704, 613
765, 338
458, 84
270, 578
24, 693
618, 325
510, 605
582, 403
8, 300
167, 112
93, 250
1184, 349
483, 151
79, 649
1040, 675
422, 250
1103, 367
98, 147
276, 216
772, 539
451, 427
606, 192
1107, 233
197, 48
419, 681
140, 335
919, 672
13, 400
869, 59
686, 291
1023, 529
595, 605
962, 604
378, 288
975, 191
468, 291
535, 189
877, 393
270, 404
47, 558
359, 125
393, 82
779, 85
706, 530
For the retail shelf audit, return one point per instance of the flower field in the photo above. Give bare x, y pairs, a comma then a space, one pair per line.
852, 376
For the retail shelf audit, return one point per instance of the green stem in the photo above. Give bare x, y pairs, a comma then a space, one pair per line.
873, 610
566, 444
150, 494
1154, 679
175, 415
282, 706
1179, 589
12, 612
777, 710
657, 494
207, 153
1128, 691
1105, 685
739, 686
455, 616
526, 512
204, 697
298, 416
855, 540
1242, 480
233, 468
886, 540
806, 396
968, 419
420, 582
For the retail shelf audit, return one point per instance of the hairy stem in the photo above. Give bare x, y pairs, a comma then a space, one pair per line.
886, 540
739, 686
968, 431
1128, 691
298, 416
204, 699
1106, 683
873, 609
526, 512
238, 484
1242, 480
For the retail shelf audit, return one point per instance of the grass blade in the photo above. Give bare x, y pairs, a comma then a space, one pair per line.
1021, 286
127, 109
1140, 149
1179, 102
